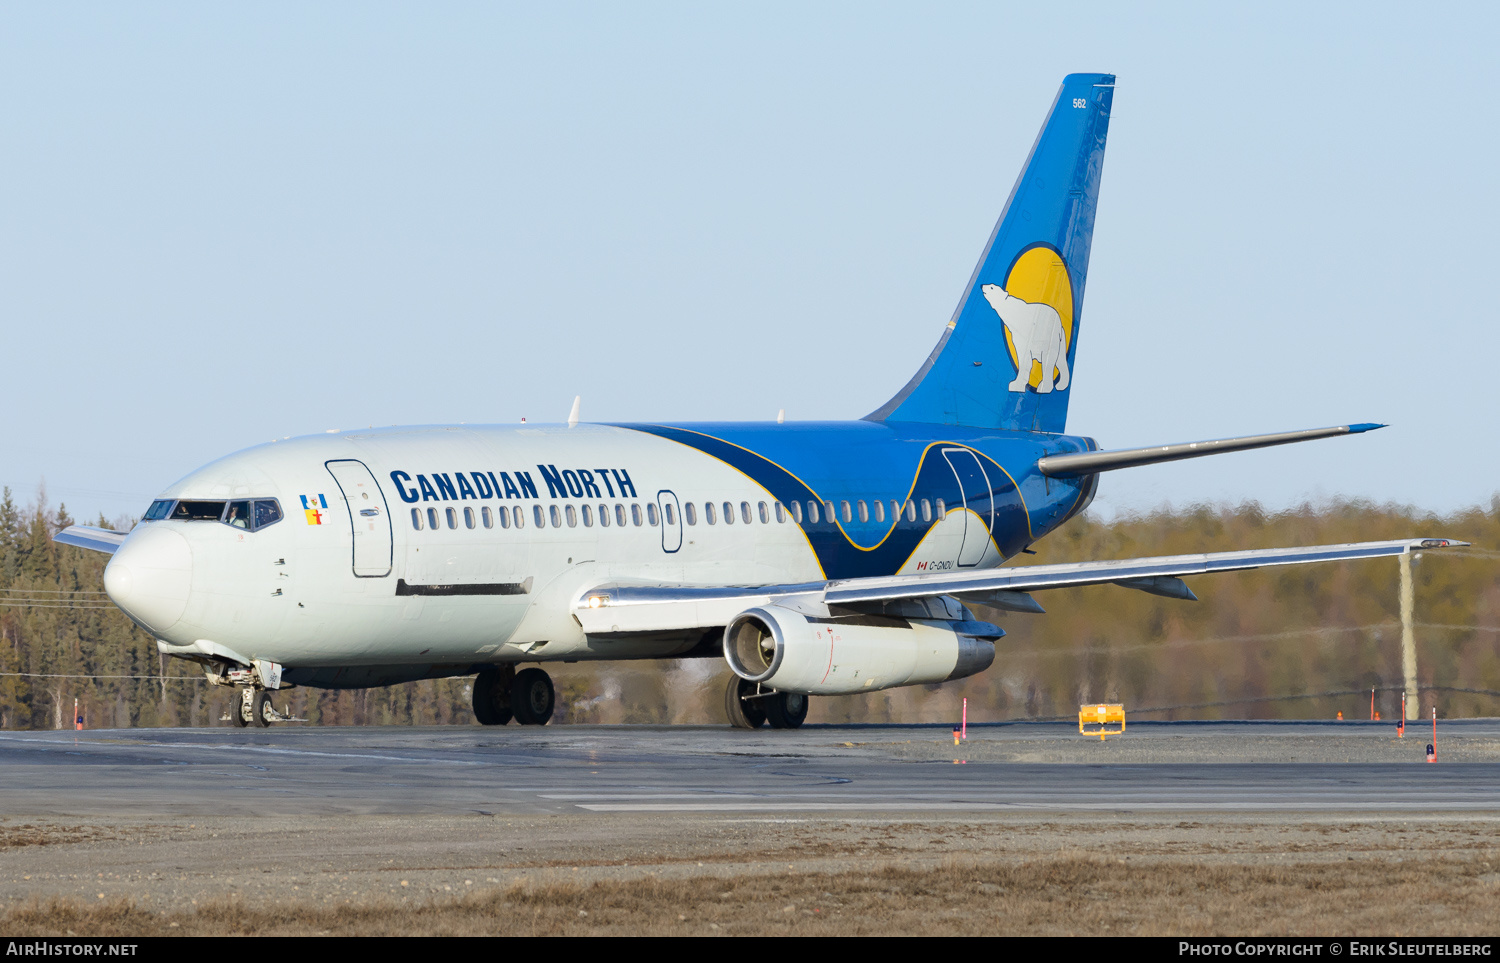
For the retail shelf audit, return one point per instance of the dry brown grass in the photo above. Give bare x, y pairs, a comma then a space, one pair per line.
1070, 894
31, 834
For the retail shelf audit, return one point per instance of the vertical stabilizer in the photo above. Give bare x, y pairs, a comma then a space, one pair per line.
1006, 358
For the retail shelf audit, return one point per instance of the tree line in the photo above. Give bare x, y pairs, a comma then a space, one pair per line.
1286, 643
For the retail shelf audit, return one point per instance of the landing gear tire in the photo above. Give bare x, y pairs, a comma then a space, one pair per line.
743, 711
786, 710
252, 707
492, 695
261, 709
531, 697
242, 713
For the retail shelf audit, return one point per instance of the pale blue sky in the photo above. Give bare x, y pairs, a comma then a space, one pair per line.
227, 224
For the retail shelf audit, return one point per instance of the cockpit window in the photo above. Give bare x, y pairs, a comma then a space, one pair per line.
267, 512
159, 509
237, 515
242, 514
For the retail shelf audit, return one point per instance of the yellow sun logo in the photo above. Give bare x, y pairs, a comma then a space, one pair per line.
1039, 276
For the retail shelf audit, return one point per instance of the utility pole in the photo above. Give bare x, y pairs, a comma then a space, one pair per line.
1408, 637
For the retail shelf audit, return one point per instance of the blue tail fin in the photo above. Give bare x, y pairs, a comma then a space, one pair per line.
1006, 358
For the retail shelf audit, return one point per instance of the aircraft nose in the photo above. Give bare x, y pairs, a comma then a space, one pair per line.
150, 577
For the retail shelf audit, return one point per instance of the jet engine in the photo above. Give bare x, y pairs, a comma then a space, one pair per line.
786, 650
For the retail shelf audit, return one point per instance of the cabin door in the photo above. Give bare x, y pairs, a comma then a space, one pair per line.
369, 517
974, 485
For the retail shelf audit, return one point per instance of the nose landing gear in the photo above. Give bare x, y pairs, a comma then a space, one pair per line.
253, 707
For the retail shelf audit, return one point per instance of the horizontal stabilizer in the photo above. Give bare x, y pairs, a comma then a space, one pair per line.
1093, 462
95, 539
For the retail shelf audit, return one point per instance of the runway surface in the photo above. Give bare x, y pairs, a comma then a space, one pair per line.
1031, 769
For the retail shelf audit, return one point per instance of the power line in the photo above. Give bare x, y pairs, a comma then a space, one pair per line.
151, 678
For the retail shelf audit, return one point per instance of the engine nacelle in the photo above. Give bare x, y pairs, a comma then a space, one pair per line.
791, 652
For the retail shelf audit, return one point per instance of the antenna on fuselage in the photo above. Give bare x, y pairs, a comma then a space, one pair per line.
573, 415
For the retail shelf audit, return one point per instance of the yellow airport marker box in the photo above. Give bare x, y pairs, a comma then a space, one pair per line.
1098, 719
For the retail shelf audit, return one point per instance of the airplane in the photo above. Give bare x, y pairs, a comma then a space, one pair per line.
815, 558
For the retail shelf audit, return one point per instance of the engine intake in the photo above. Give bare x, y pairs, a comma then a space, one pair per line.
788, 651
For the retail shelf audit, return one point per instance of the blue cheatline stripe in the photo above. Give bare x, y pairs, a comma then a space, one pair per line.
837, 553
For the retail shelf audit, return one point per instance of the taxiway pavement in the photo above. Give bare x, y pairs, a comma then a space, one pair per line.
890, 771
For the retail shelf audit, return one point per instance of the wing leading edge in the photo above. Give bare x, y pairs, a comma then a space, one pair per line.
621, 608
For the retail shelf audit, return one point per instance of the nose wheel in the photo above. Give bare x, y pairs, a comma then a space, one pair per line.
253, 708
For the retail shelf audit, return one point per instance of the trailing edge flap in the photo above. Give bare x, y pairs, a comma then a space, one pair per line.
94, 539
619, 609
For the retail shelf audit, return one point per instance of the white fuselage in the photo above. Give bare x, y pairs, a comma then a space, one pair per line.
289, 593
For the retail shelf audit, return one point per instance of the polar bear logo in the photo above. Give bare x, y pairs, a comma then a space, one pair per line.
1037, 332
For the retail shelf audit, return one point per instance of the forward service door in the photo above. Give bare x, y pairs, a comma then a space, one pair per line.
369, 517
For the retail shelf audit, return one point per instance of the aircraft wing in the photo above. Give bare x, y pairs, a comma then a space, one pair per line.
622, 608
95, 539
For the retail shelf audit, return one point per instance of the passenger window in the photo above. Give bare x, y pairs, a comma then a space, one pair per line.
942, 510
488, 516
879, 510
588, 516
729, 513
797, 512
572, 514
844, 508
911, 510
237, 515
745, 512
519, 516
780, 513
468, 518
416, 519
651, 516
690, 514
828, 511
620, 514
765, 514
812, 513
926, 510
604, 515
556, 516
537, 517
635, 514
708, 512
671, 515
432, 521
505, 517
452, 517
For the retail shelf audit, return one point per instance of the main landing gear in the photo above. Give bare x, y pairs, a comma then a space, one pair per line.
501, 693
748, 706
253, 708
